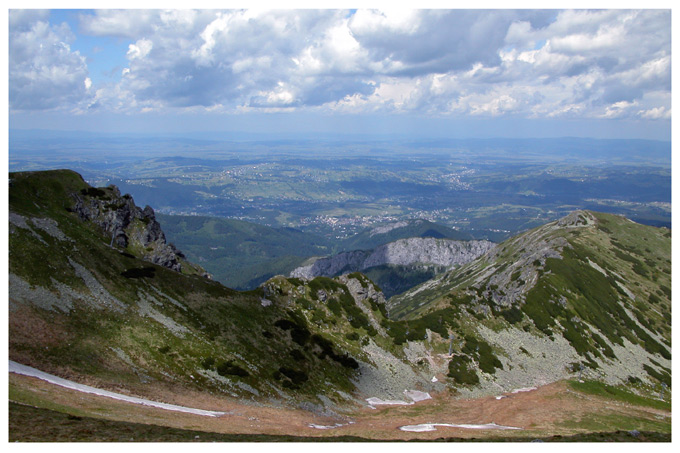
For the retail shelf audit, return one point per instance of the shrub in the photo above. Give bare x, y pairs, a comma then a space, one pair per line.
297, 377
634, 380
295, 281
328, 351
460, 372
298, 333
304, 303
352, 336
396, 330
139, 272
513, 315
325, 283
93, 192
334, 306
297, 355
488, 362
229, 368
208, 362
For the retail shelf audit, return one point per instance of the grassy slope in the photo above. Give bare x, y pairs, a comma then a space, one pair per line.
583, 294
241, 254
190, 332
415, 228
225, 333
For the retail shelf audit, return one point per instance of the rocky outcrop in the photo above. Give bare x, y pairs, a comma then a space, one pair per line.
441, 252
128, 226
363, 293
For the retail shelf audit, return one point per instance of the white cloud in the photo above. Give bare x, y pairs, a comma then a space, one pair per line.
607, 63
655, 113
120, 23
396, 21
43, 71
140, 49
618, 109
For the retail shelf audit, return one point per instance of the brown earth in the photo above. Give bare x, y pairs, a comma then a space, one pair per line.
549, 410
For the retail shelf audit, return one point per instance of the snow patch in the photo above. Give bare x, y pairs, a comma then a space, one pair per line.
426, 427
315, 426
380, 402
524, 389
417, 396
414, 395
24, 370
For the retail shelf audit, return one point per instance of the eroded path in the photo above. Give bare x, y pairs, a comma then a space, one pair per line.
546, 410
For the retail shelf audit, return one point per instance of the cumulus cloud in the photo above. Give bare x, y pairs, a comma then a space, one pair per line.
599, 64
426, 41
43, 71
120, 23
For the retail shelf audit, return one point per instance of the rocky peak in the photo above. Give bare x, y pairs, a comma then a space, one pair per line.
577, 219
442, 252
128, 226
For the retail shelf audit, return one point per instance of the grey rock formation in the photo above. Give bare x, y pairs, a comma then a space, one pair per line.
441, 252
128, 225
363, 294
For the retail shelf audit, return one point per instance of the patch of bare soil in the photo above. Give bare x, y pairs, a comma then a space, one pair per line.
539, 413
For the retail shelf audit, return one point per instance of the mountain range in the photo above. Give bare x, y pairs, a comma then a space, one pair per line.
399, 265
98, 295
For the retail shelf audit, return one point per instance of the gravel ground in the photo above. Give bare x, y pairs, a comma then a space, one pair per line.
21, 292
388, 377
145, 309
101, 298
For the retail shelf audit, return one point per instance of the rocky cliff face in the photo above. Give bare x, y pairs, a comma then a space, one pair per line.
587, 294
128, 226
404, 252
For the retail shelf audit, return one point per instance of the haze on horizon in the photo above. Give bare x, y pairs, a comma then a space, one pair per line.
406, 73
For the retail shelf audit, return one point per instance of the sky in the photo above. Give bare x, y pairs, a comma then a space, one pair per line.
302, 72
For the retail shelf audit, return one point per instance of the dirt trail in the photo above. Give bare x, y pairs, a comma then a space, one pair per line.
537, 412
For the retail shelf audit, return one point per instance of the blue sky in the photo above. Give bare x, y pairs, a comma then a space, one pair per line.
406, 73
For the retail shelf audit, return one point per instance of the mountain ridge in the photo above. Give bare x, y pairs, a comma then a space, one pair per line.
590, 290
428, 255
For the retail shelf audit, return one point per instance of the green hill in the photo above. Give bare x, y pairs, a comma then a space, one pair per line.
240, 254
97, 295
380, 235
84, 306
588, 290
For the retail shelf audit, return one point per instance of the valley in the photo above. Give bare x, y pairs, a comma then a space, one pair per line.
574, 313
489, 189
365, 225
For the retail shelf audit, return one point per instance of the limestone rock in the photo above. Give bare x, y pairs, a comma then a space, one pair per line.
128, 226
441, 252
